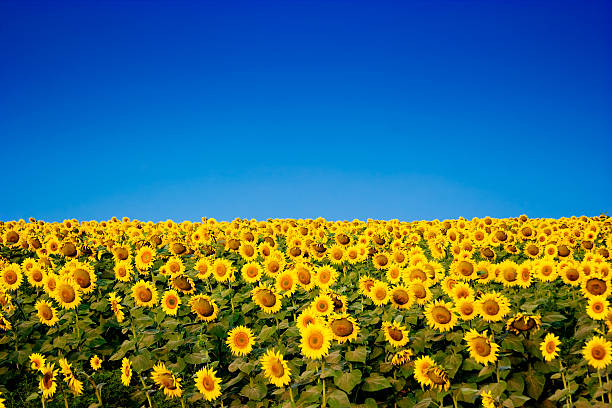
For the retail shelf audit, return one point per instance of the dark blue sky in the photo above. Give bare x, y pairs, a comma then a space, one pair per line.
274, 109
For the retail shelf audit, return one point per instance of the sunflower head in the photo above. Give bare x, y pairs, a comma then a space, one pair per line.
343, 327
598, 352
396, 334
208, 383
240, 340
550, 347
315, 341
275, 368
204, 307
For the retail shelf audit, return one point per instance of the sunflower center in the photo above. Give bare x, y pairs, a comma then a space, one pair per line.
419, 291
466, 268
367, 285
174, 267
380, 293
596, 286
122, 253
178, 248
510, 274
304, 276
401, 297
441, 314
67, 294
547, 270
10, 277
342, 327
204, 308
146, 257
12, 237
145, 295
248, 250
322, 306
241, 339
501, 236
171, 301
286, 283
481, 346
295, 251
467, 309
532, 250
82, 278
598, 352
208, 383
394, 273
48, 379
381, 260
572, 274
395, 334
324, 276
69, 249
37, 276
183, 283
273, 267
268, 299
437, 376
342, 239
233, 244
418, 274
490, 307
45, 311
315, 340
277, 368
487, 253
550, 347
221, 270
597, 307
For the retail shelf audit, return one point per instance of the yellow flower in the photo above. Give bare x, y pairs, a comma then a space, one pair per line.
174, 265
465, 308
422, 365
46, 312
308, 316
145, 257
37, 361
204, 307
598, 352
123, 271
420, 292
440, 316
487, 400
95, 362
598, 307
401, 298
170, 302
144, 294
521, 323
47, 382
126, 371
204, 268
492, 307
325, 276
240, 340
167, 381
395, 333
550, 347
116, 307
343, 327
266, 299
481, 347
323, 305
251, 272
84, 276
67, 294
275, 368
208, 383
36, 276
223, 270
286, 282
11, 277
379, 294
402, 357
316, 340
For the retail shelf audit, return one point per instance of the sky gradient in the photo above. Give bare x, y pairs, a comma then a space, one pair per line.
299, 109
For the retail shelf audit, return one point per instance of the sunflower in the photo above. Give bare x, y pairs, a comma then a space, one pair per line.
550, 347
115, 303
11, 277
208, 383
380, 261
492, 307
5, 324
170, 302
596, 285
84, 276
465, 308
525, 275
240, 340
286, 282
323, 305
251, 272
421, 292
304, 276
546, 270
570, 273
47, 382
248, 251
67, 294
123, 271
316, 340
204, 307
488, 401
266, 299
126, 371
182, 283
481, 347
46, 312
273, 265
464, 269
167, 381
401, 298
223, 270
598, 307
309, 316
204, 268
379, 294
396, 334
37, 361
36, 276
440, 316
523, 323
365, 284
95, 362
144, 294
598, 352
438, 378
50, 283
275, 368
402, 357
121, 252
422, 365
174, 265
144, 258
343, 327
325, 276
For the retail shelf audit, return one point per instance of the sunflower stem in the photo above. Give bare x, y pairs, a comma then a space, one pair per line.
182, 403
608, 384
323, 402
42, 398
291, 395
569, 397
144, 388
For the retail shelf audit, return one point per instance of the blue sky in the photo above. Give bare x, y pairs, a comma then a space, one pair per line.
275, 109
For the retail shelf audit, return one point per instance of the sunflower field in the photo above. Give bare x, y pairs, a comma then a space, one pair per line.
306, 313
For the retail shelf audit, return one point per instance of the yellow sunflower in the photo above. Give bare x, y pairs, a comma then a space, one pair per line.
309, 316
11, 277
208, 383
550, 347
46, 312
144, 294
396, 334
204, 268
266, 299
422, 365
275, 368
95, 362
401, 297
36, 276
37, 361
304, 276
598, 352
286, 282
145, 257
126, 371
115, 303
123, 271
343, 327
325, 276
175, 265
251, 272
546, 270
167, 381
523, 323
223, 270
316, 340
323, 305
67, 294
204, 307
597, 307
379, 294
421, 292
47, 382
248, 251
481, 347
273, 265
365, 284
170, 302
84, 276
402, 357
440, 316
240, 340
492, 307
596, 285
183, 283
465, 308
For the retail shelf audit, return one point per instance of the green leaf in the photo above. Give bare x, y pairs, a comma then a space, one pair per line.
358, 355
338, 399
535, 384
141, 363
255, 391
375, 382
513, 343
266, 333
348, 381
553, 318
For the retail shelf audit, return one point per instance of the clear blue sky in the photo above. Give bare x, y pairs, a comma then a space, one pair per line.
274, 109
